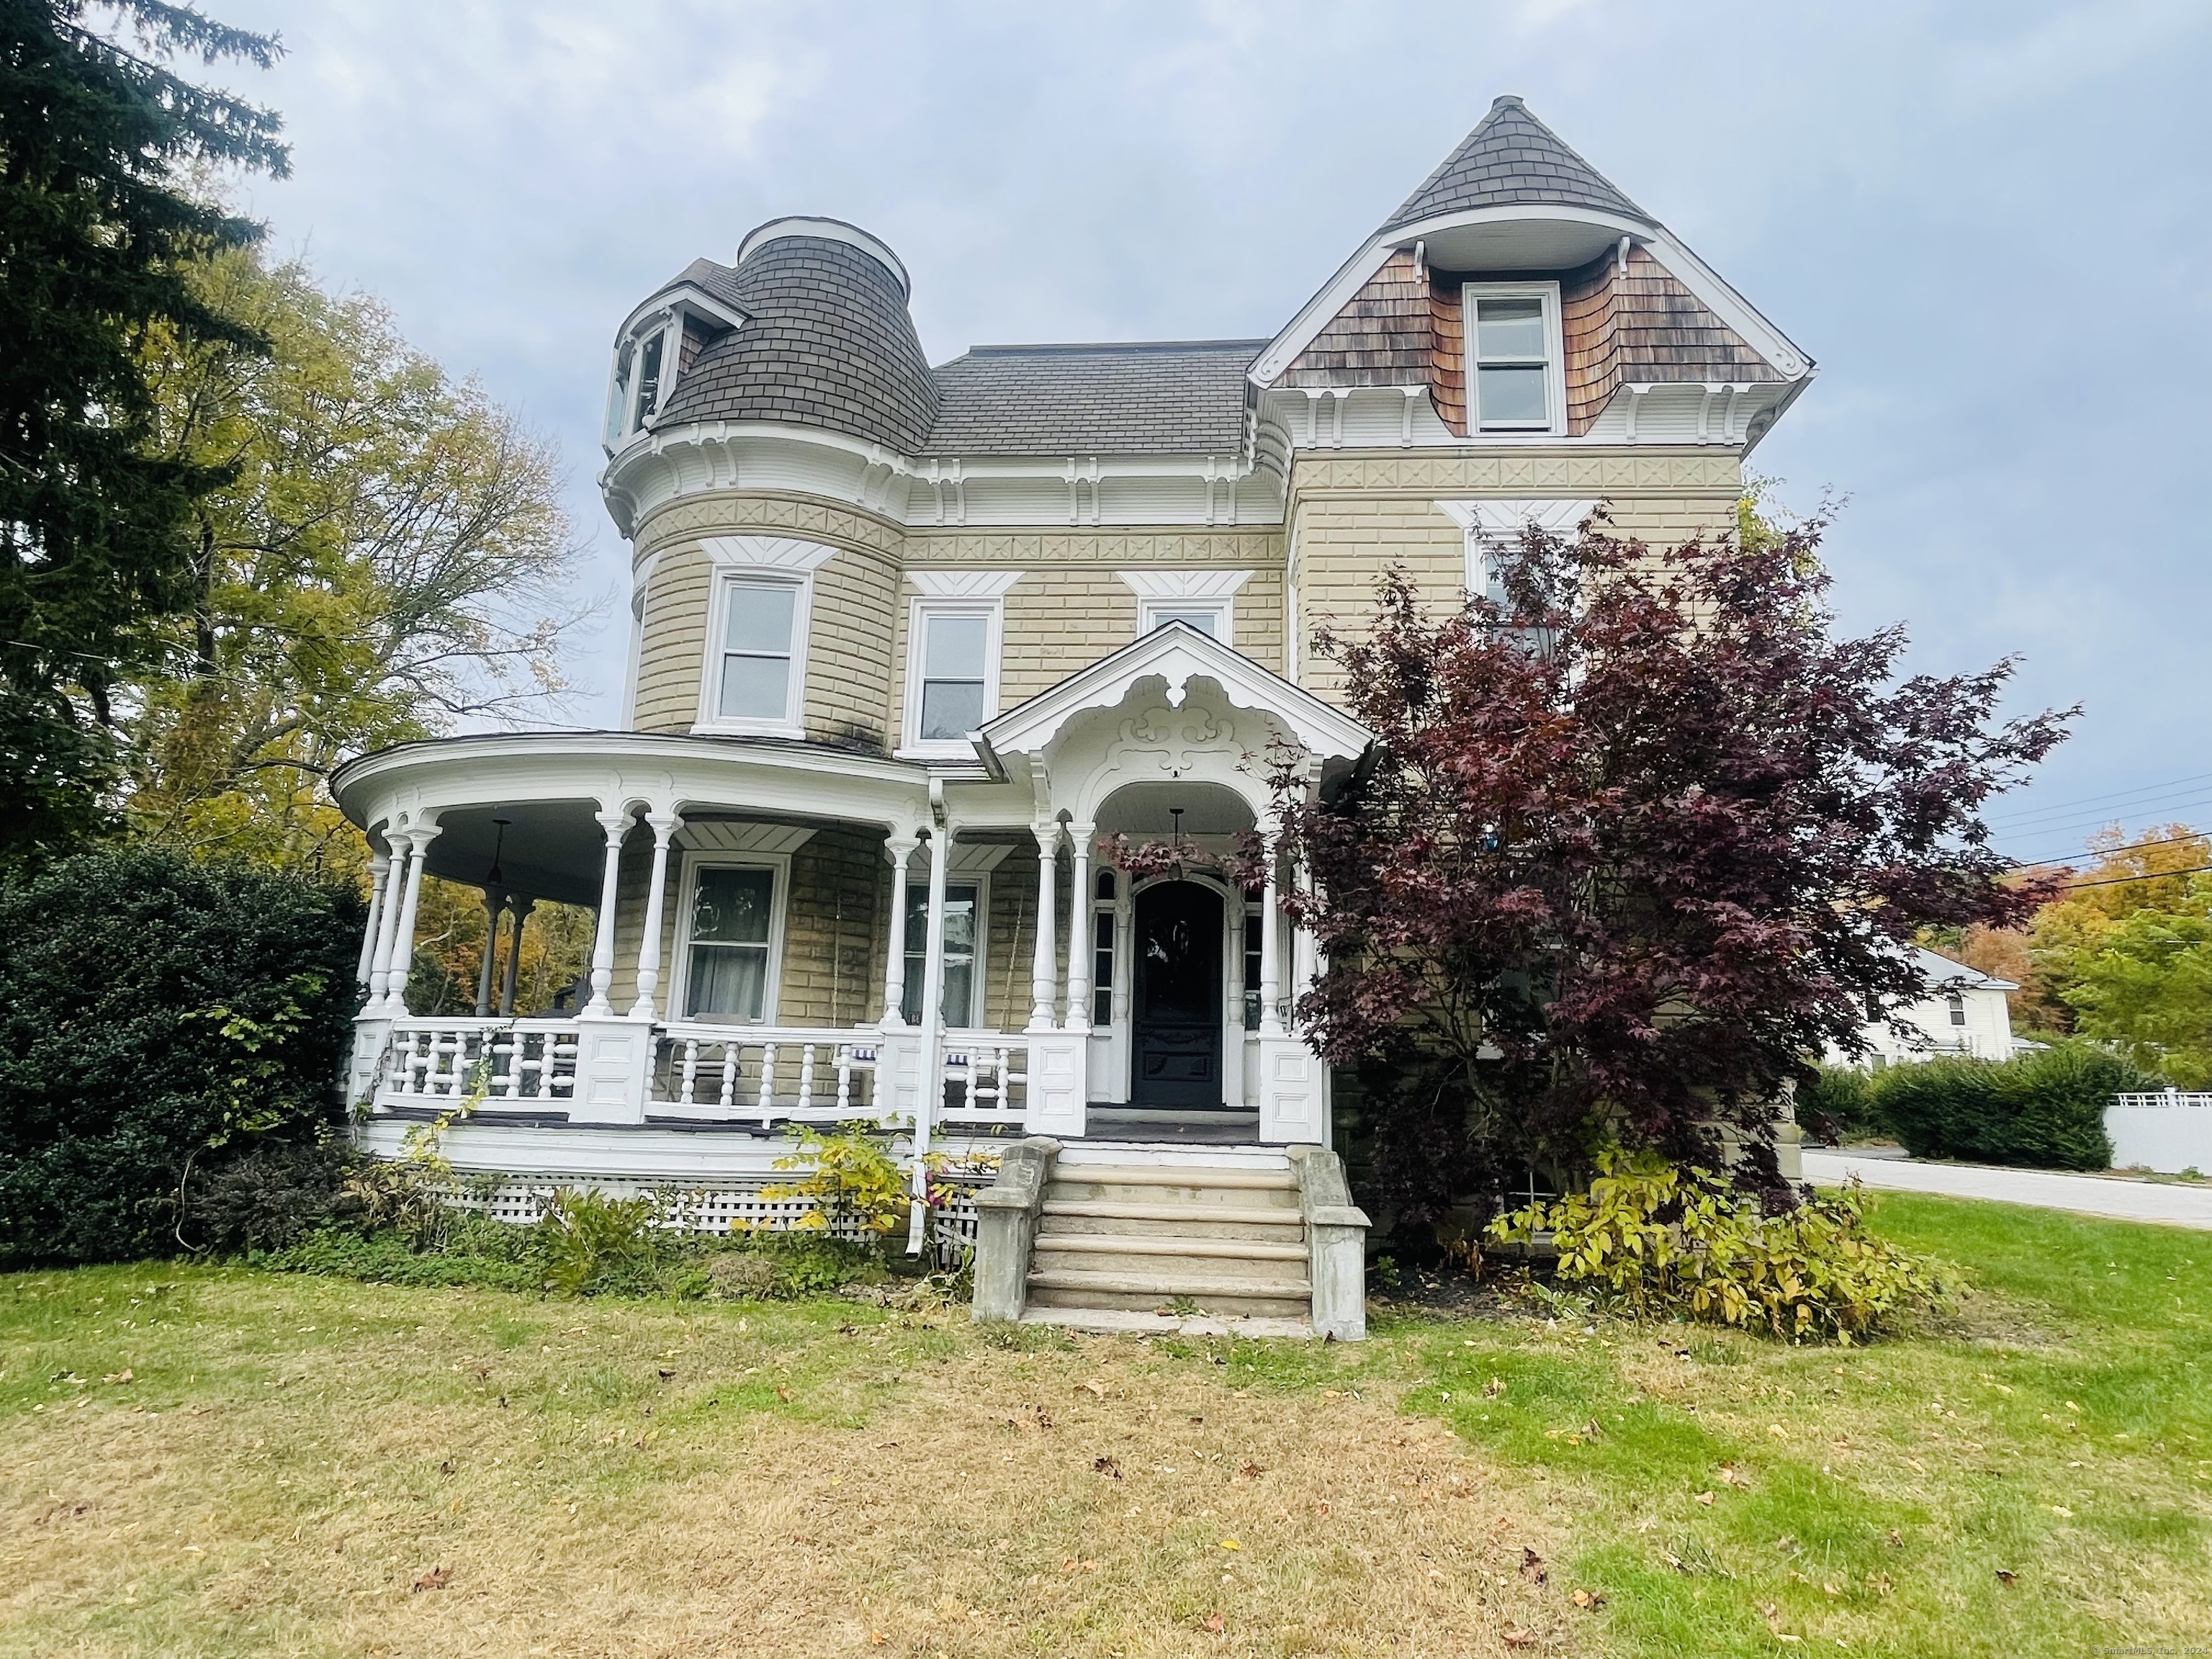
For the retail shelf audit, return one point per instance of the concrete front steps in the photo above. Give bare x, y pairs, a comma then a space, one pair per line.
1174, 1241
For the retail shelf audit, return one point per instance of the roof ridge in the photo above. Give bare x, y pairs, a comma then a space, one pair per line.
1511, 157
1022, 348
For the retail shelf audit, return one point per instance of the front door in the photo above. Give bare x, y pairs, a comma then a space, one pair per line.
1176, 1017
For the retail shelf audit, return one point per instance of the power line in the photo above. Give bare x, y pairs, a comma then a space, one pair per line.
2060, 809
2112, 881
2107, 852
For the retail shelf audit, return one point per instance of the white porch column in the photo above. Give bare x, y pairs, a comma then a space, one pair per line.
401, 957
1232, 1057
898, 849
1271, 942
379, 879
522, 908
1044, 963
395, 885
1079, 927
932, 960
1059, 1084
664, 826
616, 826
614, 1053
495, 902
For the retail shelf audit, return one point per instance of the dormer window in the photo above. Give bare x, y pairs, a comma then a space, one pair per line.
660, 338
648, 382
1515, 382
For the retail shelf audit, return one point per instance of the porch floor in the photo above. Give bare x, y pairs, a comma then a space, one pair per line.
1110, 1121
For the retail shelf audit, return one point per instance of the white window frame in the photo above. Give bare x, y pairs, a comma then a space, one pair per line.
778, 864
917, 944
755, 561
994, 613
1555, 367
1171, 592
665, 315
1492, 522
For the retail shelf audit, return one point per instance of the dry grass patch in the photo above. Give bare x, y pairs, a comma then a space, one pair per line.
312, 1467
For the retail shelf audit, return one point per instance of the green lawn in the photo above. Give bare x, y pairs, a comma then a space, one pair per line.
290, 1457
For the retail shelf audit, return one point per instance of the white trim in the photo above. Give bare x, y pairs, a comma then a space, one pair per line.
1490, 520
1730, 307
784, 553
1555, 368
963, 584
1163, 594
1155, 614
1177, 655
711, 722
778, 864
1184, 584
992, 608
826, 230
722, 838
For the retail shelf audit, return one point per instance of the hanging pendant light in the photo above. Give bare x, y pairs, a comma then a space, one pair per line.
493, 876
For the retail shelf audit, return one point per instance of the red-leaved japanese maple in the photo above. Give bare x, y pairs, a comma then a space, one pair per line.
1638, 837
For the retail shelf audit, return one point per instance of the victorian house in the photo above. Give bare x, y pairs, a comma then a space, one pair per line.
908, 643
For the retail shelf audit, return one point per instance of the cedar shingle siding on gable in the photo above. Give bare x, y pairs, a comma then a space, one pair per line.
1381, 338
1644, 329
827, 342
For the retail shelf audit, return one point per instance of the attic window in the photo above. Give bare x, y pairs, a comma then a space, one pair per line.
1514, 356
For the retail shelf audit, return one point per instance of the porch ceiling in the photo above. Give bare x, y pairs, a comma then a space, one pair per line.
552, 849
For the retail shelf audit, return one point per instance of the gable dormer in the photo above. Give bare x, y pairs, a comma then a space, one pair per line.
1518, 296
658, 343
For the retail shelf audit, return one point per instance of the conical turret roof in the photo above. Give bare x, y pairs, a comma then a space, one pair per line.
1511, 159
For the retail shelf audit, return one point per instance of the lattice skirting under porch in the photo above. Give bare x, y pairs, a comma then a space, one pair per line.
737, 1207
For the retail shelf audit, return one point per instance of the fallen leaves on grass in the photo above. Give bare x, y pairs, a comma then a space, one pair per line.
436, 1578
1532, 1566
1107, 1466
1519, 1638
2007, 1576
122, 1375
1591, 1598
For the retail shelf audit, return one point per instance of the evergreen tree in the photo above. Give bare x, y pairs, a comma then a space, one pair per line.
96, 232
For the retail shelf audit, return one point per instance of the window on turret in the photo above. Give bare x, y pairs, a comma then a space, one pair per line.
648, 382
757, 635
1515, 382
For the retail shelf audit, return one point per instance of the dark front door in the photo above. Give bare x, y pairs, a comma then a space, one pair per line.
1178, 1013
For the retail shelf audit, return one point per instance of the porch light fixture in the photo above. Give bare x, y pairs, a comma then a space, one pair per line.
493, 876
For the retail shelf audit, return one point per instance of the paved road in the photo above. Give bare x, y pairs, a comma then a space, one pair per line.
2127, 1201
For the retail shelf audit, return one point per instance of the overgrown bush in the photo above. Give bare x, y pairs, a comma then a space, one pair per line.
1663, 1241
158, 1015
2045, 1110
269, 1196
1837, 1104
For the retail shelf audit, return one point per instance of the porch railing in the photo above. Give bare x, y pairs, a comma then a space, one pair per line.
765, 1073
746, 1075
501, 1060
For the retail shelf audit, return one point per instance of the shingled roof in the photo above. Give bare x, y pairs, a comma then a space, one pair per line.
1154, 398
1511, 159
827, 342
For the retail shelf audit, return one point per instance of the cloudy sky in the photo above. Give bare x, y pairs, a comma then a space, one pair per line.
1990, 223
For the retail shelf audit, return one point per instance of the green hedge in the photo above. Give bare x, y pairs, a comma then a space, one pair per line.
2045, 1110
155, 1010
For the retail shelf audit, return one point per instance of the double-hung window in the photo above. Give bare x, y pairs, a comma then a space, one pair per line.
1514, 378
952, 674
758, 628
962, 936
730, 942
753, 680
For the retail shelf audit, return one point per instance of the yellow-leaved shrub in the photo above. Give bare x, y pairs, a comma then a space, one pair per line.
1661, 1241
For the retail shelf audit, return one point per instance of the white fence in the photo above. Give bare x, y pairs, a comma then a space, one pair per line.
2165, 1132
718, 1072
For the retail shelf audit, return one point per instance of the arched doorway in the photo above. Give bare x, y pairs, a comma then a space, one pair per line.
1175, 1013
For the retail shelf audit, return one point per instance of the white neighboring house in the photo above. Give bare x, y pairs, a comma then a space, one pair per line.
1964, 1012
